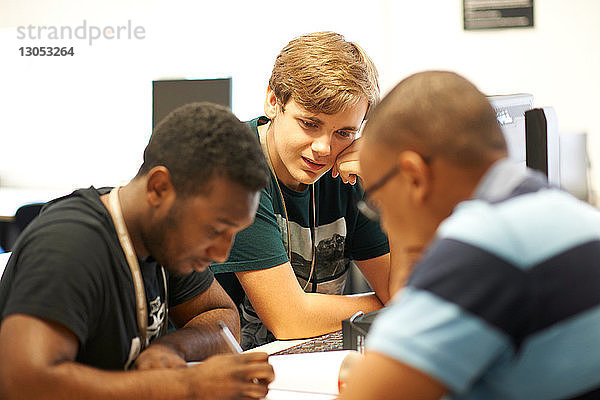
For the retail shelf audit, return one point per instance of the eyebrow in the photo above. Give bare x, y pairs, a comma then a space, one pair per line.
311, 118
318, 121
227, 222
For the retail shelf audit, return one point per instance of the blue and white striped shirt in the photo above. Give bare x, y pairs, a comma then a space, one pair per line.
505, 303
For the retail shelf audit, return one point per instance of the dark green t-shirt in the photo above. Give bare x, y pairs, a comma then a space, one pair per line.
342, 235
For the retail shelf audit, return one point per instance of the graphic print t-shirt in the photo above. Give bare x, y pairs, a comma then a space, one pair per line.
342, 234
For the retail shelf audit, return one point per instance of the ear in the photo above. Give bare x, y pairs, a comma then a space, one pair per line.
270, 104
160, 191
417, 175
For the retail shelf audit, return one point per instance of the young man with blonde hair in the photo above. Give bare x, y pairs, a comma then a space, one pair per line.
293, 261
505, 301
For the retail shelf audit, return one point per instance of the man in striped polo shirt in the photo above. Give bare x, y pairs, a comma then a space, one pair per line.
504, 300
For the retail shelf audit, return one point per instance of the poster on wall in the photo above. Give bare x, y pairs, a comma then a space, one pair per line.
497, 14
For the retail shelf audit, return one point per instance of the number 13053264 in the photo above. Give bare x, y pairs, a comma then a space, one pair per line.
46, 51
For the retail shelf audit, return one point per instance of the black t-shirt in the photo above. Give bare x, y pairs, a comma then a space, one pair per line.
68, 267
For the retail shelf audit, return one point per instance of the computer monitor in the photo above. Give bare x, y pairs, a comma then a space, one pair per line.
531, 134
543, 144
167, 95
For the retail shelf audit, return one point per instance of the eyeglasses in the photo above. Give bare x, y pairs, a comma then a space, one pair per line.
366, 206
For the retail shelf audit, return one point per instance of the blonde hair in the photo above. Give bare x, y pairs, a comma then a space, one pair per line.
324, 73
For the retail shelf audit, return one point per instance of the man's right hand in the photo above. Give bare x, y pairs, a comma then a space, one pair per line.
39, 363
232, 376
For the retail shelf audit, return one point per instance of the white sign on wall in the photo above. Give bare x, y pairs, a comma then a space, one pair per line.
497, 14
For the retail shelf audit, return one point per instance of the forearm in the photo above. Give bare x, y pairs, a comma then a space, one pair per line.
321, 313
402, 259
399, 272
70, 380
378, 376
200, 337
377, 272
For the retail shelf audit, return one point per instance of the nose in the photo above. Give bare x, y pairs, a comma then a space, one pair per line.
321, 145
219, 249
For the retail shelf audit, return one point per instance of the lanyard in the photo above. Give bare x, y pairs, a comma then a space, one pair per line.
114, 208
313, 230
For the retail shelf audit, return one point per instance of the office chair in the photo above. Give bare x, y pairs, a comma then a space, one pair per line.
26, 213
10, 231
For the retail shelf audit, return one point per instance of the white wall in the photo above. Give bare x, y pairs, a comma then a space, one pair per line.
85, 119
558, 61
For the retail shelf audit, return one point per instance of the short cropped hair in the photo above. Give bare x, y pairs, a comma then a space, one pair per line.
200, 141
439, 114
324, 73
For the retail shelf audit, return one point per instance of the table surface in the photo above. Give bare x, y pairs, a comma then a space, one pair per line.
306, 376
310, 376
278, 345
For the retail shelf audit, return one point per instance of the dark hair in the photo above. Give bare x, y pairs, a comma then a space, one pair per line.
200, 141
438, 113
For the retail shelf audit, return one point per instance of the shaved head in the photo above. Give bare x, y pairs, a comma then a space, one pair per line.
438, 114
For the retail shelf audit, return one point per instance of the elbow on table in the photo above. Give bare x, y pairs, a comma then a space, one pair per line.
298, 329
287, 333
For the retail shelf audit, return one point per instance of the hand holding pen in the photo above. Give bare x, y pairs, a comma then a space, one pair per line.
230, 376
226, 334
234, 346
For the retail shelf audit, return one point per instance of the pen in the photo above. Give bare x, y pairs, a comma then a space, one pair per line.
234, 346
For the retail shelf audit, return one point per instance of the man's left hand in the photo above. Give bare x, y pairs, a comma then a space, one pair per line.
159, 356
347, 165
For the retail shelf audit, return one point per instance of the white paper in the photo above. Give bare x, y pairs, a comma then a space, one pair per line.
308, 372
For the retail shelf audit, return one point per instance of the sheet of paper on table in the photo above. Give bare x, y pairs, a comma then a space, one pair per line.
306, 376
